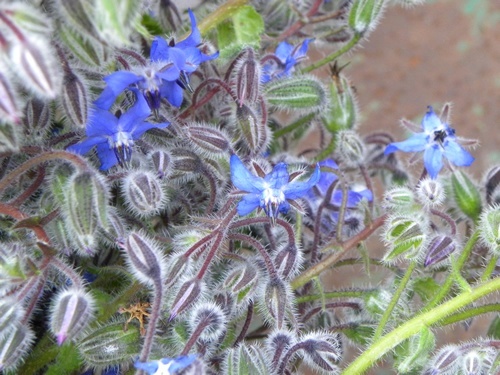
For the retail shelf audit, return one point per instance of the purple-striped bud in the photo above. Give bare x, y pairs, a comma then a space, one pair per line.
241, 281
14, 347
71, 313
439, 249
143, 193
275, 298
162, 163
209, 139
247, 80
446, 361
37, 118
145, 259
11, 313
188, 293
492, 185
75, 99
288, 261
277, 344
208, 321
322, 351
186, 161
8, 101
253, 133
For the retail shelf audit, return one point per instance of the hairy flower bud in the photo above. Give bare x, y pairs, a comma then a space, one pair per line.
143, 193
364, 15
71, 313
322, 351
75, 99
404, 235
11, 313
110, 344
276, 299
489, 226
145, 259
245, 359
9, 138
77, 13
114, 23
288, 261
88, 51
241, 281
162, 163
466, 195
188, 293
440, 247
253, 132
37, 118
446, 361
300, 93
351, 148
278, 343
209, 139
492, 185
14, 346
247, 78
343, 110
399, 199
430, 192
208, 318
186, 161
8, 100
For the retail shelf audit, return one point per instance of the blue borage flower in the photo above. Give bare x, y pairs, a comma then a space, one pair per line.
165, 76
114, 137
272, 192
166, 366
289, 56
437, 140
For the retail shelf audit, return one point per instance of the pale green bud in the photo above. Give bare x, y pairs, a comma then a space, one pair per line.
466, 195
489, 225
399, 199
364, 15
343, 111
350, 148
404, 235
245, 359
143, 193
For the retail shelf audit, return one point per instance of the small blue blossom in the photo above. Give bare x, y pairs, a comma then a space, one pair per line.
289, 56
437, 140
166, 366
272, 192
165, 76
114, 137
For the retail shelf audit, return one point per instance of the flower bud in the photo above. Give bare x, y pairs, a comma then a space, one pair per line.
179, 265
59, 178
9, 110
399, 199
343, 110
162, 163
253, 133
242, 281
85, 209
29, 18
278, 343
440, 247
14, 346
489, 225
322, 351
245, 359
446, 361
143, 193
75, 99
37, 118
115, 23
492, 185
247, 80
188, 293
88, 51
288, 261
466, 195
350, 147
404, 235
78, 14
209, 139
71, 313
35, 65
186, 161
364, 15
110, 344
145, 259
11, 313
301, 93
430, 192
116, 231
208, 318
275, 298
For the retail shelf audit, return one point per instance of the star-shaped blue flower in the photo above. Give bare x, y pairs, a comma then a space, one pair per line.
166, 366
272, 192
437, 140
289, 56
165, 76
114, 137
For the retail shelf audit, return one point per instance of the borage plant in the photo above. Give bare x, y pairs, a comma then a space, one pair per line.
156, 216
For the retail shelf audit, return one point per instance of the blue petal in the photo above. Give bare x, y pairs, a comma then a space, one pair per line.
143, 127
431, 121
169, 73
177, 57
243, 179
106, 156
101, 123
353, 197
297, 189
284, 207
135, 114
456, 154
326, 178
278, 177
149, 367
194, 39
84, 146
182, 362
159, 49
302, 51
417, 142
116, 82
172, 92
283, 51
433, 160
248, 203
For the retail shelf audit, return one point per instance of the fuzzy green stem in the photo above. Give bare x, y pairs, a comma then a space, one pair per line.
470, 313
220, 15
294, 125
413, 326
394, 301
318, 64
327, 151
448, 283
490, 267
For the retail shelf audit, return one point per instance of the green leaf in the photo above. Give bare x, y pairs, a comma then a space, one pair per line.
243, 29
494, 330
152, 25
67, 361
426, 288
